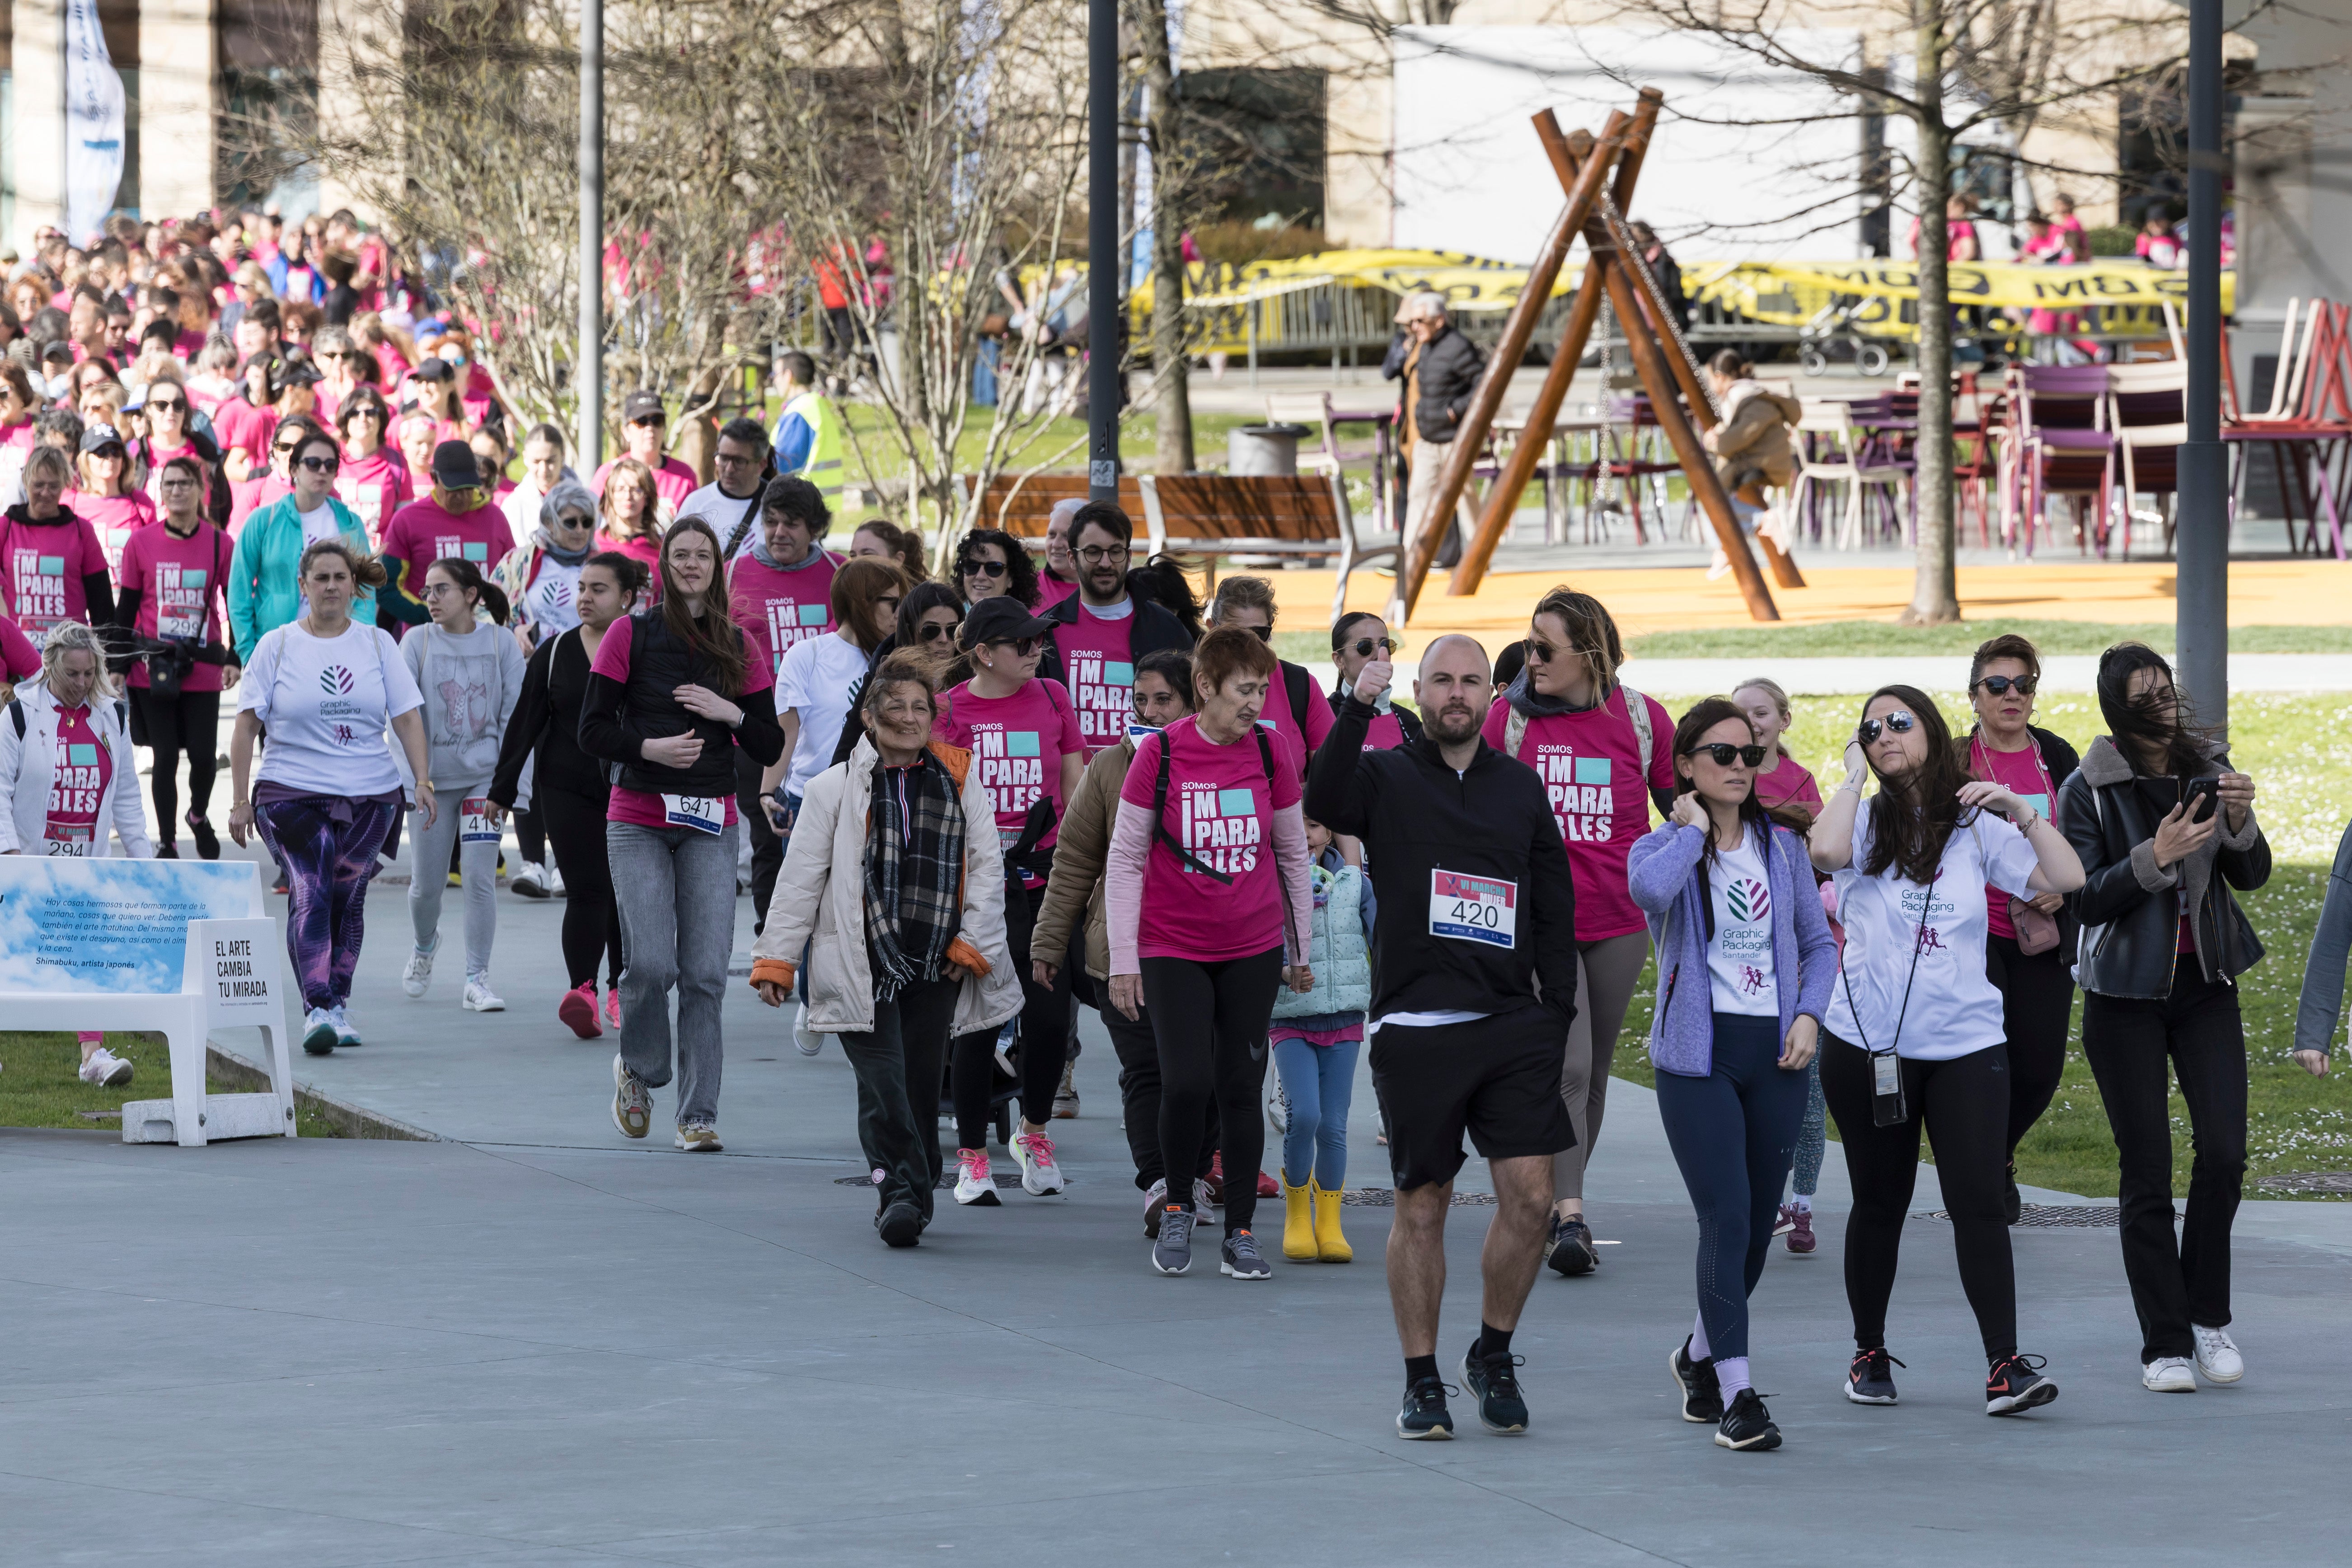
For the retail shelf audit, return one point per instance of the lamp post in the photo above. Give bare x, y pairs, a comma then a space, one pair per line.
588, 363
2201, 610
1103, 368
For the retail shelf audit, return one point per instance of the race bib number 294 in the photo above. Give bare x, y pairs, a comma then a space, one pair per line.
1474, 908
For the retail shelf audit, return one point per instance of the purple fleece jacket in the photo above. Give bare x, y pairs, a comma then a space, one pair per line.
1661, 875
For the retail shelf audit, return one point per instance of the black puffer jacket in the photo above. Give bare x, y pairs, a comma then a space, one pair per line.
2130, 907
1448, 374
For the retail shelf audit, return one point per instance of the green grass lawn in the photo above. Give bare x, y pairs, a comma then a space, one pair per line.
1848, 638
2293, 746
39, 1087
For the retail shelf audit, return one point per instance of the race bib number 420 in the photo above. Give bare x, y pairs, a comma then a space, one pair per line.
1474, 908
703, 812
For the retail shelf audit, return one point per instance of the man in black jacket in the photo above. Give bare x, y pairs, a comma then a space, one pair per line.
1101, 630
1440, 369
1474, 986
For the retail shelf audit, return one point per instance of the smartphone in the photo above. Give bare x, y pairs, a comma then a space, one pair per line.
2201, 798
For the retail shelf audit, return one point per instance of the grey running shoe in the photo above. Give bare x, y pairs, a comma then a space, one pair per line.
1425, 1417
1154, 1202
1240, 1257
1173, 1253
1493, 1382
1571, 1251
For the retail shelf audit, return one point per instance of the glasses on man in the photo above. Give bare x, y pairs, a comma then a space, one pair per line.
984, 568
179, 482
321, 465
1364, 647
2001, 685
1096, 554
1725, 753
1900, 721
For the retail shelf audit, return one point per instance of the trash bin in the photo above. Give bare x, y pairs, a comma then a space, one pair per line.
1257, 450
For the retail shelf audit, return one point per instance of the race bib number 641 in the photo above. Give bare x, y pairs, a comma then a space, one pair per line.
1474, 908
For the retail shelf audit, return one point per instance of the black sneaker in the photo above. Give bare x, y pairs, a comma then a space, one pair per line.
1868, 1381
1493, 1382
2016, 1384
1702, 1395
2013, 1201
207, 841
1240, 1257
901, 1223
1424, 1415
1747, 1425
1571, 1251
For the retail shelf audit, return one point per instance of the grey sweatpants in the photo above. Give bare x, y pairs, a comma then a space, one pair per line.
428, 875
1605, 973
676, 890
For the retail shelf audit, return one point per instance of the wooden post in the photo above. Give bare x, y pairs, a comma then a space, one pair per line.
1471, 434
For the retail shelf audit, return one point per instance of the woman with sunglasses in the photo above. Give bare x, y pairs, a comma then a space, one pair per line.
1746, 961
338, 364
1029, 753
105, 496
1914, 1027
2166, 828
1601, 748
264, 587
1358, 638
172, 584
1295, 704
169, 434
373, 480
244, 425
2029, 950
992, 563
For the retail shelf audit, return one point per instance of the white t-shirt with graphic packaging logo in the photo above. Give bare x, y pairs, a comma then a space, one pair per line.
1739, 960
326, 703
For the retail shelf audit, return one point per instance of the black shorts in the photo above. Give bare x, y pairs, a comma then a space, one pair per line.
1497, 1078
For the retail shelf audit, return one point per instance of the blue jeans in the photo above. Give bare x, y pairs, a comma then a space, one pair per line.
675, 887
1318, 1082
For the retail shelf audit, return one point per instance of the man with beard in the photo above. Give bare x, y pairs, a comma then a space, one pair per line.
1101, 630
1474, 986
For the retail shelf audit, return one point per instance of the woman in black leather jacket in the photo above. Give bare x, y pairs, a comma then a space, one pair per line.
2162, 944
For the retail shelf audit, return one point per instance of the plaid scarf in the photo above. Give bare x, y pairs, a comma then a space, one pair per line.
914, 873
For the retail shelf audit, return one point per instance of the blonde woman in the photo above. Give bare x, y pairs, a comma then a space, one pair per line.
628, 517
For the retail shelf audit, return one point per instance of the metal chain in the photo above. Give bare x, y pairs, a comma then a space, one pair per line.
1622, 235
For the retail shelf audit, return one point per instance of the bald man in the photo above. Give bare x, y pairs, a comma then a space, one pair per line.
1474, 984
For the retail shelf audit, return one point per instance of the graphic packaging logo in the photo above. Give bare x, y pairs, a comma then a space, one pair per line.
336, 681
1747, 899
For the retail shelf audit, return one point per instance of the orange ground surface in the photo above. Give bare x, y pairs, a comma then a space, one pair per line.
2284, 592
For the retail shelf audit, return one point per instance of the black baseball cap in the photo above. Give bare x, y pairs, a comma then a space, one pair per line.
98, 435
455, 468
641, 405
1000, 619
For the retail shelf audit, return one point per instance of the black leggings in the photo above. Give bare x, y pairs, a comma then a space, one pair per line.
1044, 1036
1209, 1020
1964, 1104
592, 920
531, 834
2037, 1009
189, 722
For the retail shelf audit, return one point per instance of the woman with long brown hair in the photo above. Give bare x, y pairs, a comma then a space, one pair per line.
674, 689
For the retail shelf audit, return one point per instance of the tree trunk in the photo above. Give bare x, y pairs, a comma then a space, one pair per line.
1935, 591
1172, 396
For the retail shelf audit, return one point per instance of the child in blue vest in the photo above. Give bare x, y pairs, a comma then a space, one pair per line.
1317, 1037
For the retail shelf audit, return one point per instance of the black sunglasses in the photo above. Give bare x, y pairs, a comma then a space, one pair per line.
931, 631
1021, 646
163, 404
2000, 685
1364, 647
321, 465
983, 568
1724, 753
1870, 729
1263, 634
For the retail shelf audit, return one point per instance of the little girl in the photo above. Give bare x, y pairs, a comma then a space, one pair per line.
1317, 1037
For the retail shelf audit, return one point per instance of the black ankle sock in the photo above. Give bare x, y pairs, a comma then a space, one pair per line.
1417, 1367
1492, 1341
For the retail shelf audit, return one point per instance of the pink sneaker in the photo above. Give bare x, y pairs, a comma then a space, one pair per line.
577, 1011
613, 1008
1800, 1231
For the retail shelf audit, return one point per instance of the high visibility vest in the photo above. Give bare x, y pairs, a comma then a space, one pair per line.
823, 467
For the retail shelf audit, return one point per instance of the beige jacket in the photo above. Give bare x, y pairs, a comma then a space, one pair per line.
819, 899
1078, 856
1752, 442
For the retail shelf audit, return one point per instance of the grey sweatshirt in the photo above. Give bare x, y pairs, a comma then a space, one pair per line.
2321, 1007
470, 684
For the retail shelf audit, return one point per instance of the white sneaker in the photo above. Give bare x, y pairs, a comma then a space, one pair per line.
2169, 1374
699, 1138
529, 880
1202, 1202
340, 1016
1277, 1105
480, 998
804, 1040
555, 888
974, 1187
1034, 1152
2217, 1354
1155, 1204
318, 1032
105, 1070
417, 978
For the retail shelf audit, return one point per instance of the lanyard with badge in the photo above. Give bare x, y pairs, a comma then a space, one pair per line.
1887, 1106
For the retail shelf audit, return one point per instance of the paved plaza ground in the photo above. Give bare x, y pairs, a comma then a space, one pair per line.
532, 1343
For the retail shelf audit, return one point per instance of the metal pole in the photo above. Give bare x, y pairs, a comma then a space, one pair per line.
589, 362
1103, 279
2202, 628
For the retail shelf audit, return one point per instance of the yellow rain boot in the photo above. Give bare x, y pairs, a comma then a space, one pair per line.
1330, 1244
1299, 1239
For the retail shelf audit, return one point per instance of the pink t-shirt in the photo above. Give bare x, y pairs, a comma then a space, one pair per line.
777, 609
42, 566
1100, 674
424, 531
391, 363
18, 653
1590, 764
1317, 719
2023, 775
181, 583
1052, 591
238, 424
116, 519
376, 487
1219, 810
84, 766
158, 455
646, 549
1788, 782
673, 482
1384, 733
643, 807
1017, 743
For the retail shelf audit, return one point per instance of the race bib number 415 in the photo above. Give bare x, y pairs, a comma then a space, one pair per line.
1474, 908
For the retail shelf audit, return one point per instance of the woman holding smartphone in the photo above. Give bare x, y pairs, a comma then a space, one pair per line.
1913, 1038
2165, 828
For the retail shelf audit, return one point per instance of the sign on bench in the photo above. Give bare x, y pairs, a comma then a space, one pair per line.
181, 947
